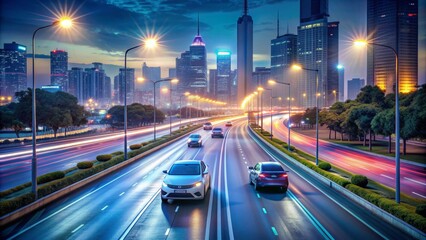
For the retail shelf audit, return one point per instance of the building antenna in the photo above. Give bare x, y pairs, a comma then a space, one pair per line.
287, 28
278, 24
245, 7
198, 28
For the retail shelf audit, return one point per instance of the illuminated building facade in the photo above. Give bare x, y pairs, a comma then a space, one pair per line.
394, 24
13, 69
59, 69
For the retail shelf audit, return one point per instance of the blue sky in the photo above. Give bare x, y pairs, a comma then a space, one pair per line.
106, 28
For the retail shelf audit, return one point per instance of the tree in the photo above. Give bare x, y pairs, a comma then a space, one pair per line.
384, 123
296, 118
58, 118
17, 126
371, 95
362, 115
6, 116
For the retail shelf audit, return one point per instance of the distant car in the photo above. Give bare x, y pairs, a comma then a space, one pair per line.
268, 174
207, 126
186, 179
195, 140
228, 124
217, 132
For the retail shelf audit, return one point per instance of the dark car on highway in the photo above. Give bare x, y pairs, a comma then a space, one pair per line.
217, 132
268, 174
195, 140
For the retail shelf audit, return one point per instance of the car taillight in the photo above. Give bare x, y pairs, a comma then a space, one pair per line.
283, 175
262, 175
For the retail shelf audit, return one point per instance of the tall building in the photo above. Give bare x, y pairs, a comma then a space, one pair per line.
223, 74
97, 85
283, 56
76, 83
341, 92
13, 69
150, 75
354, 87
332, 86
245, 55
393, 24
212, 82
312, 40
59, 69
261, 75
130, 85
191, 68
172, 72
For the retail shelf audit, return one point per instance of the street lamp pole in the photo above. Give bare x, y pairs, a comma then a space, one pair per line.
170, 115
397, 119
155, 108
65, 23
289, 109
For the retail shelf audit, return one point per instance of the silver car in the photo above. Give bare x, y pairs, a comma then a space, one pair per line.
186, 179
268, 174
195, 140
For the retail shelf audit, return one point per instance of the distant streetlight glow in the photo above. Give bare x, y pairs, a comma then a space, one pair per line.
150, 43
65, 22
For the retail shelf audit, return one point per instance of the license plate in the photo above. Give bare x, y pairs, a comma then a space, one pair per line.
180, 191
273, 176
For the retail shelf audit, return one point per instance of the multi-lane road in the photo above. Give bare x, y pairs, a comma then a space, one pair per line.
377, 168
127, 205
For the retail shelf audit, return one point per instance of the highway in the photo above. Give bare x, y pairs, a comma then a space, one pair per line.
61, 154
379, 169
127, 205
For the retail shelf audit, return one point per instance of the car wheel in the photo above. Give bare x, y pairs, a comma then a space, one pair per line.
256, 187
283, 189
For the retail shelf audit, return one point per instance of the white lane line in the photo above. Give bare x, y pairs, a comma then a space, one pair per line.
209, 212
219, 197
245, 162
228, 206
167, 232
104, 208
177, 209
264, 210
419, 195
78, 228
144, 177
274, 231
134, 184
121, 194
410, 179
365, 168
386, 176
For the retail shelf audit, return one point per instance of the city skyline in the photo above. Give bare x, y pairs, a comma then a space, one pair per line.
178, 27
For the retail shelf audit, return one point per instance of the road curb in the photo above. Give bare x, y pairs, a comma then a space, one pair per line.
389, 218
9, 218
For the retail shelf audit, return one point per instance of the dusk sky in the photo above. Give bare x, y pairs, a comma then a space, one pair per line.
104, 29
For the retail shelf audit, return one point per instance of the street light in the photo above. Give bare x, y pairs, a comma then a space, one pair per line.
334, 93
180, 106
148, 43
260, 90
64, 23
271, 112
289, 108
362, 43
172, 80
298, 67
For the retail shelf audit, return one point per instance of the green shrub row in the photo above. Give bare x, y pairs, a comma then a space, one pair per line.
135, 146
324, 166
104, 157
359, 180
50, 177
400, 211
55, 181
84, 165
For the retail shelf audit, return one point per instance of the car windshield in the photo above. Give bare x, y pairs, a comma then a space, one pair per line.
217, 129
185, 169
195, 136
207, 123
272, 167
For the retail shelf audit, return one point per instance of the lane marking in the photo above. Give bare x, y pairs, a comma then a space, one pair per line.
78, 228
177, 209
228, 207
386, 176
274, 231
209, 212
258, 196
104, 208
419, 195
264, 210
144, 177
121, 194
167, 232
410, 179
134, 184
329, 197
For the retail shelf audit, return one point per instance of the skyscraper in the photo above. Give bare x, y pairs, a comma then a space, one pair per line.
59, 68
313, 51
245, 55
191, 68
130, 83
150, 74
394, 24
13, 69
76, 83
332, 86
223, 81
283, 55
354, 87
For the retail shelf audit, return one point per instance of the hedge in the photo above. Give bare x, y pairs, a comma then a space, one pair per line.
359, 180
421, 210
104, 157
135, 146
324, 166
50, 177
84, 165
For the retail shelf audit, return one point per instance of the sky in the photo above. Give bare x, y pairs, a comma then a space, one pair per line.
104, 29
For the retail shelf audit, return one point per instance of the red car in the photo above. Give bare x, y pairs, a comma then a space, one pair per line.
268, 174
228, 124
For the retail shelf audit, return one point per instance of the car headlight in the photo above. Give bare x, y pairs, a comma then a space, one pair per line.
188, 141
197, 184
199, 141
164, 184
